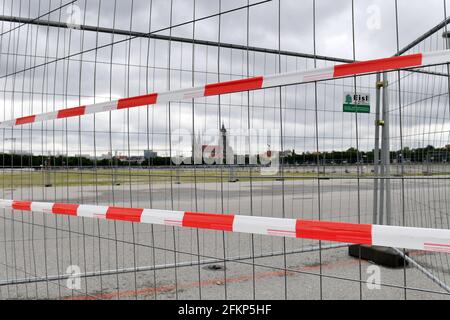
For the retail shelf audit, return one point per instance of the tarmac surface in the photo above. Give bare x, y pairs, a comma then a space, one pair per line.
138, 261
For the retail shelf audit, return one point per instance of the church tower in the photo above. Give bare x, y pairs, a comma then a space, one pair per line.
224, 142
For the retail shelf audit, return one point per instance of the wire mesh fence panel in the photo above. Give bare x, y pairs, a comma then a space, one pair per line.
419, 143
83, 138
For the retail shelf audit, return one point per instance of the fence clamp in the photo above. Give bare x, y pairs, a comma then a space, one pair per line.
381, 84
379, 123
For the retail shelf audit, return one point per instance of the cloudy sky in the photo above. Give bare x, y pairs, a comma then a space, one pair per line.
44, 69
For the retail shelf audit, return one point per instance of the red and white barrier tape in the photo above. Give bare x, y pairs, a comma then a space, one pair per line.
437, 240
343, 70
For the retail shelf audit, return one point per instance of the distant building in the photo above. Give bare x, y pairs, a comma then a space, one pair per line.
150, 154
135, 159
224, 142
121, 157
219, 152
212, 151
105, 156
286, 153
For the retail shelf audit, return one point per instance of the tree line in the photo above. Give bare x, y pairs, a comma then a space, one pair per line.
349, 156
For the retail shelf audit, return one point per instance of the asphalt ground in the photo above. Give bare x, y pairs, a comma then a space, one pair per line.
138, 261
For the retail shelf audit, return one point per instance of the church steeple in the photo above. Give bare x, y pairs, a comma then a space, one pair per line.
224, 143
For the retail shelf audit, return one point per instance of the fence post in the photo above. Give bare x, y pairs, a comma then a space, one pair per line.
376, 151
387, 171
383, 202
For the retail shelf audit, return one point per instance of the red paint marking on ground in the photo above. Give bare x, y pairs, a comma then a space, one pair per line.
213, 282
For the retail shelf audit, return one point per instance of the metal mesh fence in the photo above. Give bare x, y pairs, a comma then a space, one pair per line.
59, 54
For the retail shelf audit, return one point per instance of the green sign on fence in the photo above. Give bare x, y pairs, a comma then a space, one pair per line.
356, 103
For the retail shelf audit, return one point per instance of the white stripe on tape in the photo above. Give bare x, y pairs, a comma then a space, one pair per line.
7, 124
263, 225
297, 77
435, 57
45, 207
101, 107
92, 211
164, 217
6, 204
319, 74
182, 94
409, 238
46, 116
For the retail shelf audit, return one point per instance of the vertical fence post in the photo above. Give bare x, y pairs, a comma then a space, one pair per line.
382, 168
387, 171
384, 172
376, 151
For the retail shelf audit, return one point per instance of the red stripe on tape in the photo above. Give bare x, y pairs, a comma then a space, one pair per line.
137, 101
71, 112
124, 214
63, 208
208, 221
233, 86
334, 231
25, 120
378, 65
22, 205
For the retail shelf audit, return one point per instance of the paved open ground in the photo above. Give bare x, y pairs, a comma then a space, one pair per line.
95, 245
